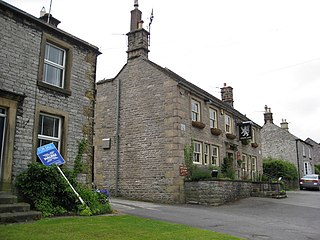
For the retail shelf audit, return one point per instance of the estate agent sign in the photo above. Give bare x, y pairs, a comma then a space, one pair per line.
49, 155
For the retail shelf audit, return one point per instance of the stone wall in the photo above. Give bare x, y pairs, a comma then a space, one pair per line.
216, 192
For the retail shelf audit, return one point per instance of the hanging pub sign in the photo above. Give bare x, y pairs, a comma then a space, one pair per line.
245, 131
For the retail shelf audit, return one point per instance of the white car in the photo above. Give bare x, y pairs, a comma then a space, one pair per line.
311, 181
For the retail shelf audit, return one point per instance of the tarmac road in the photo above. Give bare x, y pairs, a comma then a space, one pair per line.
294, 217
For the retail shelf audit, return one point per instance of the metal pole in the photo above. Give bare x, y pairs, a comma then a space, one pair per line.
49, 11
71, 186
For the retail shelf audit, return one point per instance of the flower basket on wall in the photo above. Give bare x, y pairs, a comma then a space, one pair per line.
245, 141
254, 145
215, 131
197, 124
230, 136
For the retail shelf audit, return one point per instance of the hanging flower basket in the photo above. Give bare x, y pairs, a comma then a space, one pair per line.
230, 136
215, 131
254, 145
197, 124
245, 142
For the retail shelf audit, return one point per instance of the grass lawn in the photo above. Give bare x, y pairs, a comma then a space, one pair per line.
120, 227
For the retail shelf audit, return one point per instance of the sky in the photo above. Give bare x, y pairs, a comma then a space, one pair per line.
267, 50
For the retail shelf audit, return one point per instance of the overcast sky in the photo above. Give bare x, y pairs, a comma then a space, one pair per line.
267, 50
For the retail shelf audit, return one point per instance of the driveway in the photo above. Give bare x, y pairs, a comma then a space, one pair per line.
294, 217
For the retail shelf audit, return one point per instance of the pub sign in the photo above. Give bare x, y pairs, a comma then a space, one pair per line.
245, 131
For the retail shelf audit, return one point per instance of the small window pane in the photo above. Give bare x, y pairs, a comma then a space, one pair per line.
54, 54
52, 75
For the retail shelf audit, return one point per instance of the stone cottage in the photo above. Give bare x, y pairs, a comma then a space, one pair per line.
145, 117
47, 89
277, 142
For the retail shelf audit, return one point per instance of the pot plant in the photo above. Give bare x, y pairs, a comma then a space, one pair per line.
230, 136
197, 124
254, 145
215, 131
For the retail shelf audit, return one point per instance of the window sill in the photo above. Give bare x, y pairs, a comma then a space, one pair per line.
62, 91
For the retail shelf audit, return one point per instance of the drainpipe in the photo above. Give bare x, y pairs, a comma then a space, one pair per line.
298, 158
117, 137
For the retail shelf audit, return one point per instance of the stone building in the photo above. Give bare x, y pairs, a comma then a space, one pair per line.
147, 115
278, 143
47, 88
316, 150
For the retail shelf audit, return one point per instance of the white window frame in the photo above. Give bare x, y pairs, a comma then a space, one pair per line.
309, 152
215, 161
306, 168
51, 138
54, 65
206, 152
197, 152
244, 162
253, 134
303, 151
213, 118
253, 164
228, 124
195, 110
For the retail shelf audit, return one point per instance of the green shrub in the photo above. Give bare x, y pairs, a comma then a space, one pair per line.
97, 202
47, 191
280, 168
227, 170
317, 169
200, 173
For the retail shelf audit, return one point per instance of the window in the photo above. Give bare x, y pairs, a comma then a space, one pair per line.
309, 152
307, 169
195, 111
254, 164
303, 151
249, 164
197, 153
244, 162
253, 133
228, 124
206, 152
54, 65
215, 155
213, 118
49, 130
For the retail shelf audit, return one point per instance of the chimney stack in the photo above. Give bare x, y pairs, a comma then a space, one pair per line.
268, 118
227, 94
284, 125
138, 37
52, 21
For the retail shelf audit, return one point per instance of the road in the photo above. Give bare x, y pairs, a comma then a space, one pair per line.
294, 217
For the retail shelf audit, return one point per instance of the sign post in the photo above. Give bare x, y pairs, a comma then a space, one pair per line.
49, 155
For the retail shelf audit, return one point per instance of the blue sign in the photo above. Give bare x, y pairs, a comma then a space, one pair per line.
49, 155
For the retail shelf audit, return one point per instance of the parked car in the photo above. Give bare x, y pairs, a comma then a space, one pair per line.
311, 181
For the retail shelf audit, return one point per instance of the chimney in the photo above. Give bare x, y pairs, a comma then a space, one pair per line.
46, 17
227, 94
268, 118
138, 37
284, 125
